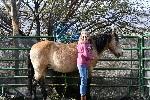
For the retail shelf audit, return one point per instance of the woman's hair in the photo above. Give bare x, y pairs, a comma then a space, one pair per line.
85, 32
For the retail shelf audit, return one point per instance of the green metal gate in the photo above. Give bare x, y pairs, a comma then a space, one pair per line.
131, 68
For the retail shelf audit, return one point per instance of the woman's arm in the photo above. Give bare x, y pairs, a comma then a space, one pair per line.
87, 51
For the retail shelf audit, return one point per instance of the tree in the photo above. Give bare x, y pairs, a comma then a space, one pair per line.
14, 17
9, 13
13, 13
93, 15
12, 9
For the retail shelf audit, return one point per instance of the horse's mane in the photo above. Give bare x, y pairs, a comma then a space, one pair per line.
100, 40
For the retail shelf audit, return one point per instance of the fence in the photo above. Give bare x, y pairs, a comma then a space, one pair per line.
112, 77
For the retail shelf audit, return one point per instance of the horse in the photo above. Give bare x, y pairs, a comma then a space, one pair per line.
62, 57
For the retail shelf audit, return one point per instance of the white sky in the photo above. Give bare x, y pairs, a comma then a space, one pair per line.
141, 3
137, 4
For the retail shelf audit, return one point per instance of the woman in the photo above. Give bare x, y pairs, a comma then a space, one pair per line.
84, 48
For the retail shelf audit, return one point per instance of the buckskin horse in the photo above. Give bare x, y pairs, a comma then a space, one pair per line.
62, 57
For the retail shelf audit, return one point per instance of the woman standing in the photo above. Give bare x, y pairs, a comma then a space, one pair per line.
84, 49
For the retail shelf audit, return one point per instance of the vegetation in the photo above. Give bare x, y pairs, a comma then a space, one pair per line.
94, 15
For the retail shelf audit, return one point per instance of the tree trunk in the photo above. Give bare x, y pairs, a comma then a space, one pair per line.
37, 20
15, 26
14, 17
50, 27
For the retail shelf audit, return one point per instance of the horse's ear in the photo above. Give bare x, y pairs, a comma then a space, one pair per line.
113, 29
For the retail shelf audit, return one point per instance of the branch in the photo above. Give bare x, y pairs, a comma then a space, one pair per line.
40, 2
6, 6
42, 8
29, 7
71, 9
6, 29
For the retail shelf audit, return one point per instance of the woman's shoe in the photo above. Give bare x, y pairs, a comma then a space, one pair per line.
83, 97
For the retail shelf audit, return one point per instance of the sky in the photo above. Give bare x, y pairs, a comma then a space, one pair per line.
141, 3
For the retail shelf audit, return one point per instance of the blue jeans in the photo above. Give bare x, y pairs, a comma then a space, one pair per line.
83, 71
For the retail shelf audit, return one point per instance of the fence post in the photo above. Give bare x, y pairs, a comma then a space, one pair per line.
141, 66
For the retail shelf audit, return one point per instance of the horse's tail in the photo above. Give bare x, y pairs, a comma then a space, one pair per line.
30, 75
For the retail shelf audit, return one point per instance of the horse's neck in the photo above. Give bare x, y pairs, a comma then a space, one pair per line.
100, 43
99, 54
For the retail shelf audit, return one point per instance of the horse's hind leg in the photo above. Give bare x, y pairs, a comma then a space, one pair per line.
42, 84
39, 77
30, 77
34, 89
43, 89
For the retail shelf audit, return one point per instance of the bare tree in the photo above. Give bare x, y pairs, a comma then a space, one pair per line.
13, 13
12, 9
94, 15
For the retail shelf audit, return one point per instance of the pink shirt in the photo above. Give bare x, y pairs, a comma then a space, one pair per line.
84, 53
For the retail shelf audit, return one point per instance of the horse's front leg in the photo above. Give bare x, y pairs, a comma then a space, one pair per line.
88, 85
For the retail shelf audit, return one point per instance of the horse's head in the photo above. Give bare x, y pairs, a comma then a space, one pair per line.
114, 45
108, 40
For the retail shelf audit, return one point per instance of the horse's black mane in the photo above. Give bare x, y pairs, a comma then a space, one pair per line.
100, 40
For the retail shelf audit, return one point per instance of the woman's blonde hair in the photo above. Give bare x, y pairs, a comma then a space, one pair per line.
84, 32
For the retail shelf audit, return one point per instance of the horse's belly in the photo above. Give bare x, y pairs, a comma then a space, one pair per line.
65, 68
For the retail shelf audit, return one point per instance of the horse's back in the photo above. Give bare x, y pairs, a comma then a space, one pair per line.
42, 44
